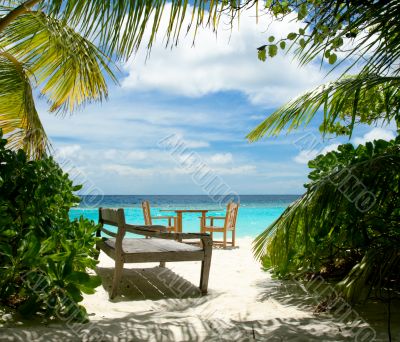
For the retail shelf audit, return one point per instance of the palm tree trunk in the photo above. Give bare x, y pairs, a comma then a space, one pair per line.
17, 11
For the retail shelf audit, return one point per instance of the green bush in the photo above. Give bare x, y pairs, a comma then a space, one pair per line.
346, 226
44, 256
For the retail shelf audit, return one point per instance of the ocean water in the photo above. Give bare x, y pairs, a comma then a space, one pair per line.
256, 212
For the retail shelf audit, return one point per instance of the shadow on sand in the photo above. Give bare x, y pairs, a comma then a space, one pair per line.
183, 316
148, 283
152, 326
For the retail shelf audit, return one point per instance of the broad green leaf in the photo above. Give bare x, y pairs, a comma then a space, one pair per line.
262, 55
332, 58
272, 50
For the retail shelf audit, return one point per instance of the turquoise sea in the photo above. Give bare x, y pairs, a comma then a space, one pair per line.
256, 212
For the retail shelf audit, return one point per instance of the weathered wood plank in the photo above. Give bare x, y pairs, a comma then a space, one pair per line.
134, 246
162, 248
164, 256
108, 232
109, 216
229, 223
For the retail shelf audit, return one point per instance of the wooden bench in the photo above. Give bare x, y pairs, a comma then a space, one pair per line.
158, 246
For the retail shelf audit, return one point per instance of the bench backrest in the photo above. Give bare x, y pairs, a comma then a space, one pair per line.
231, 215
146, 213
116, 218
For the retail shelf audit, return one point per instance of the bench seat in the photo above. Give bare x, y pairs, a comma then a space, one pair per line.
158, 246
152, 250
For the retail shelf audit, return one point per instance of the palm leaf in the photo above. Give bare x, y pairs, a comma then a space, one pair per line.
373, 25
69, 69
19, 119
345, 94
120, 26
328, 222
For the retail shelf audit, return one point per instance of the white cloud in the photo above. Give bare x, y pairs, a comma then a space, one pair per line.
221, 158
195, 143
125, 170
173, 171
329, 148
236, 170
68, 151
388, 133
375, 134
305, 156
116, 144
226, 62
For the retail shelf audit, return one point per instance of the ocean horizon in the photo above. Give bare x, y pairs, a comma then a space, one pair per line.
256, 212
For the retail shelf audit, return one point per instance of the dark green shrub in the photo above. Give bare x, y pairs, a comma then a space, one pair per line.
346, 226
44, 256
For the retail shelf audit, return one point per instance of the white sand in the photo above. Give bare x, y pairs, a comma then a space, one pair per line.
243, 304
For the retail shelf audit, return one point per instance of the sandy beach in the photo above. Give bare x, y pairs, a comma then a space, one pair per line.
157, 304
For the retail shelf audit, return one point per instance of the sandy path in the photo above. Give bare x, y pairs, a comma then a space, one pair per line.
243, 304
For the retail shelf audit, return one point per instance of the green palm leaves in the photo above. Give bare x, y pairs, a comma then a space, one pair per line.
68, 68
346, 225
39, 51
19, 119
362, 36
365, 97
120, 26
348, 221
71, 70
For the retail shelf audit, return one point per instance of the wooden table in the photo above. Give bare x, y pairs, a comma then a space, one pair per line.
179, 213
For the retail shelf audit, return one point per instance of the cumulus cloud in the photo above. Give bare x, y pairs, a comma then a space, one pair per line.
221, 158
68, 151
237, 170
388, 133
126, 170
173, 171
195, 143
304, 156
117, 144
375, 134
224, 62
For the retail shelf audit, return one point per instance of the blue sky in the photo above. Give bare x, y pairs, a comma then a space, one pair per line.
210, 96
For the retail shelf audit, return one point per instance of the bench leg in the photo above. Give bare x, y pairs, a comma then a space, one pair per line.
119, 266
224, 243
205, 272
162, 264
233, 238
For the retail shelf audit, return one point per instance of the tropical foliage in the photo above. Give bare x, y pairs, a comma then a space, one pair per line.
40, 48
354, 35
343, 103
361, 36
350, 33
39, 51
353, 234
44, 256
346, 225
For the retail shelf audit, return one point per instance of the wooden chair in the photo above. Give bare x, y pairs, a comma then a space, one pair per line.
229, 225
148, 219
162, 248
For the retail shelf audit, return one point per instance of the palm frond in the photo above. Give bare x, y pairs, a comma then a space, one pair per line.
19, 118
346, 214
68, 68
371, 29
119, 26
338, 98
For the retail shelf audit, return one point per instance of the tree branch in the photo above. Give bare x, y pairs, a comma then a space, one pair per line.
17, 11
